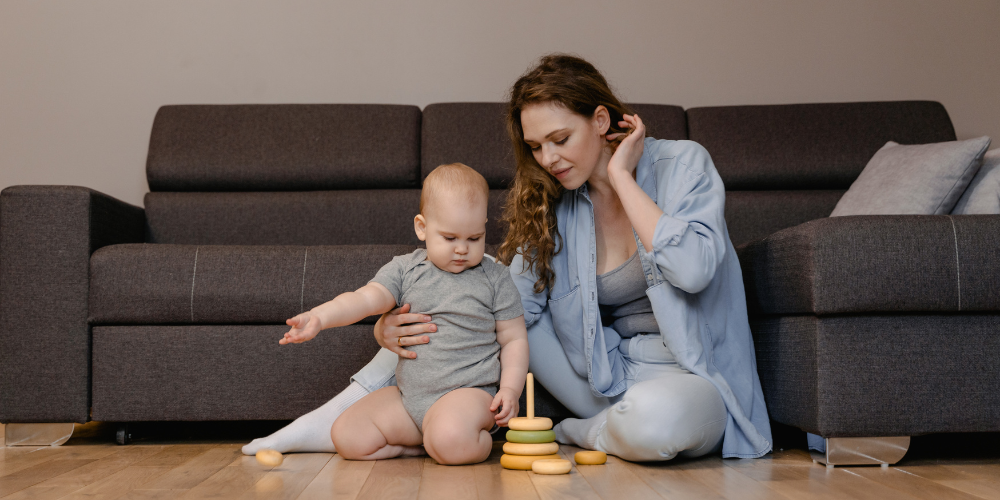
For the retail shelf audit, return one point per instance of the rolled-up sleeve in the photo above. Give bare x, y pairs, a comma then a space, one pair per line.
689, 241
524, 280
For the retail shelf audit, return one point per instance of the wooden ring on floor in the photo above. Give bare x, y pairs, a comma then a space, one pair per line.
269, 458
530, 424
530, 448
548, 466
522, 462
590, 457
531, 436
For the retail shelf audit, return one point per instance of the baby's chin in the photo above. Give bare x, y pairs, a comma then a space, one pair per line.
456, 267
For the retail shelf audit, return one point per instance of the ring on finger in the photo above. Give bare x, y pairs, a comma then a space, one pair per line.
399, 341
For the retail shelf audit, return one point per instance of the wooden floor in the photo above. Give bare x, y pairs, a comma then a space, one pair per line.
93, 467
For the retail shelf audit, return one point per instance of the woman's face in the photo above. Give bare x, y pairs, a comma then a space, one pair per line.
567, 145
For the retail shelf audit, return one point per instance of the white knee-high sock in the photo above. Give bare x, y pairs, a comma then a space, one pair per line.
310, 432
582, 432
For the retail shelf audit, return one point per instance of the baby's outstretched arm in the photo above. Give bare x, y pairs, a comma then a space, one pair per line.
345, 309
513, 339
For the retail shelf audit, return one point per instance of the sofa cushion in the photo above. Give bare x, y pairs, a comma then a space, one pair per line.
475, 133
874, 264
983, 194
220, 372
881, 375
809, 146
208, 284
751, 215
284, 147
923, 179
354, 217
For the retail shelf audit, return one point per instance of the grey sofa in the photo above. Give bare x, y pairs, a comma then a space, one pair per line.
257, 212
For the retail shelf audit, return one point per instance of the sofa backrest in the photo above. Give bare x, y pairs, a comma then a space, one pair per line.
333, 174
323, 174
284, 174
787, 164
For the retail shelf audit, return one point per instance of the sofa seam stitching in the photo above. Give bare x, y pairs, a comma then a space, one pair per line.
194, 274
302, 291
958, 270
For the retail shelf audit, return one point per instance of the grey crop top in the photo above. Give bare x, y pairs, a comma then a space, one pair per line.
621, 295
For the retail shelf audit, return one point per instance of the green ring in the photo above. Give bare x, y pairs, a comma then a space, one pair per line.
531, 436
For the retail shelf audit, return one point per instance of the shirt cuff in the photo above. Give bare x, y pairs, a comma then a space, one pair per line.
668, 232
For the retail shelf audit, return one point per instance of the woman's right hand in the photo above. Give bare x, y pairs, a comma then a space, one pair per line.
399, 328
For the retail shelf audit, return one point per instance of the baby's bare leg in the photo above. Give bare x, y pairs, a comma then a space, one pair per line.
456, 427
376, 427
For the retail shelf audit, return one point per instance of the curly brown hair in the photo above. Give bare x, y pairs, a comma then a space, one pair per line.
529, 211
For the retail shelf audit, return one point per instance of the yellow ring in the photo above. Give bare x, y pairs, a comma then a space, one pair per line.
550, 466
270, 458
522, 462
530, 448
530, 424
590, 457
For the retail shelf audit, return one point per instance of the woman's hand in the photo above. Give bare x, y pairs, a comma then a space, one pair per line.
506, 401
626, 157
305, 326
396, 329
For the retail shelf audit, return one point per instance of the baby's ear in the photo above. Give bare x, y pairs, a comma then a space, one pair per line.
420, 227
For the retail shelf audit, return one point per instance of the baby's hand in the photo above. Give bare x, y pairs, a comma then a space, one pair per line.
507, 400
305, 326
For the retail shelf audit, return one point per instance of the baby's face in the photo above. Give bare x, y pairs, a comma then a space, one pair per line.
455, 233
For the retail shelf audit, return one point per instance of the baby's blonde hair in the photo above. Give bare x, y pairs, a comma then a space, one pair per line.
456, 178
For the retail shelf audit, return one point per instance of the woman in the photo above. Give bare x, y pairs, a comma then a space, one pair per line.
632, 291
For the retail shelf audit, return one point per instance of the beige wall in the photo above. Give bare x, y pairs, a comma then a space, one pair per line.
80, 80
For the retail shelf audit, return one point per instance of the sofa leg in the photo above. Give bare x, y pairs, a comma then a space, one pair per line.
19, 434
883, 451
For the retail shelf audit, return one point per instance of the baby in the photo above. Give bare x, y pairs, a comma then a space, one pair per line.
447, 397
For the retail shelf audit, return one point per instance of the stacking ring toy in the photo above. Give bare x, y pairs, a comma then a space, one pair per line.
522, 462
530, 423
531, 436
269, 458
590, 457
547, 466
531, 448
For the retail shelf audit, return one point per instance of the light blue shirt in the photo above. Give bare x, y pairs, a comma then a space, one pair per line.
695, 288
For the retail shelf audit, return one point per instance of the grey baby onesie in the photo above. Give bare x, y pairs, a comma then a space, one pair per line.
463, 352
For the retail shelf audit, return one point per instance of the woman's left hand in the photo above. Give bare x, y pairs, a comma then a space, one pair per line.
627, 156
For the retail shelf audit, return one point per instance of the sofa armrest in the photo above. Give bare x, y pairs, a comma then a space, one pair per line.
47, 234
876, 264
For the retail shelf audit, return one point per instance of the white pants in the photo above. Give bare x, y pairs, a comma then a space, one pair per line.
666, 411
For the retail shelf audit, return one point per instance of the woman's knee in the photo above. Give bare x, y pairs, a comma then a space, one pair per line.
657, 419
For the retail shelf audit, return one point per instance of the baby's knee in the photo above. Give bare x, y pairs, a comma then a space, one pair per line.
456, 443
353, 442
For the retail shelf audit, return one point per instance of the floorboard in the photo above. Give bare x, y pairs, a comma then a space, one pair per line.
196, 466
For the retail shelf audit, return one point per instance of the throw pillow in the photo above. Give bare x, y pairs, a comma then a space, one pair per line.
983, 194
919, 179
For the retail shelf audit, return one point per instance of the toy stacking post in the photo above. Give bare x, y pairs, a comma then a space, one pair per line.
531, 395
531, 439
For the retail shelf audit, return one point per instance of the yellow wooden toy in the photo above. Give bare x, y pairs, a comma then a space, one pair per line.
530, 448
522, 462
531, 422
270, 458
551, 466
590, 457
